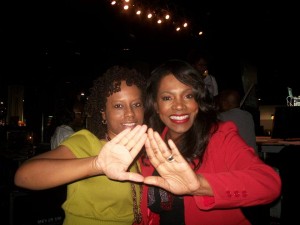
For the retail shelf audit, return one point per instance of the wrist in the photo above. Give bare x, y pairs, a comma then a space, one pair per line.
96, 166
204, 188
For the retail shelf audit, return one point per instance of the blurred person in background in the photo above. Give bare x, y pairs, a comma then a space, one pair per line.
63, 120
228, 102
200, 62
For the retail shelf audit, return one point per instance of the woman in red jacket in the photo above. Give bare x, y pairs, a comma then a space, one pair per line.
206, 172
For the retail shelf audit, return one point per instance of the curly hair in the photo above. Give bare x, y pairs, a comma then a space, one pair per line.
103, 87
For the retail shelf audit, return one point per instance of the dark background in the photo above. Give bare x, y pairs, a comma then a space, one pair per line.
56, 48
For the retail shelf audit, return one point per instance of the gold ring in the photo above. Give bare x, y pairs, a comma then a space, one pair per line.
170, 158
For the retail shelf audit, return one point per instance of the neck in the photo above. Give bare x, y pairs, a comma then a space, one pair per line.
107, 138
173, 137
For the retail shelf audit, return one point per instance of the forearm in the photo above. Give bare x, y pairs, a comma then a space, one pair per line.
54, 172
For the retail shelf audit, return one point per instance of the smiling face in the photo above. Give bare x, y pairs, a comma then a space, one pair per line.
176, 106
123, 109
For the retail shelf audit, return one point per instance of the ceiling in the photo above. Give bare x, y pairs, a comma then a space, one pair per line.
42, 41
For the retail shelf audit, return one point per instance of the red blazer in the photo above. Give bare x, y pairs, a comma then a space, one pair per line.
237, 176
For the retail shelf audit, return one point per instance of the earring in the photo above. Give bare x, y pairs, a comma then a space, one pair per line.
103, 121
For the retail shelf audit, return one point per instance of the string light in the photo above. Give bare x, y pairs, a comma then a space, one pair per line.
160, 15
126, 7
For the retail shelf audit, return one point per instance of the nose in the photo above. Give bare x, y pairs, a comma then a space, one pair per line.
129, 111
178, 104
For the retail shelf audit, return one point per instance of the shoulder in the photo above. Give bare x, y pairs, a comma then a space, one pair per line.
84, 141
235, 113
226, 138
64, 130
66, 127
212, 77
242, 114
227, 126
226, 130
246, 113
85, 134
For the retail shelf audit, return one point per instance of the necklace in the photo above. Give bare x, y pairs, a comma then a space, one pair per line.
136, 209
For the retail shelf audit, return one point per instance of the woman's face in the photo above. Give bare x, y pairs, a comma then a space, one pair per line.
176, 106
123, 109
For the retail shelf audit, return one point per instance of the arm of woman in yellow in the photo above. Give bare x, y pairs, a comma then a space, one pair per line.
60, 166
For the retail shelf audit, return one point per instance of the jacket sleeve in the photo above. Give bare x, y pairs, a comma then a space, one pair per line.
236, 174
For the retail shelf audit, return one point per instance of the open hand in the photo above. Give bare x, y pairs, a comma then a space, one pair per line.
118, 154
176, 175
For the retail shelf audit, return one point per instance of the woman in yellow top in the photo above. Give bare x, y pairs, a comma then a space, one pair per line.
113, 138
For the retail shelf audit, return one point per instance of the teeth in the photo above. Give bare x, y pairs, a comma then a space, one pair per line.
129, 124
179, 117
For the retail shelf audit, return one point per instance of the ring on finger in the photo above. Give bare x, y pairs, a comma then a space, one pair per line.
170, 158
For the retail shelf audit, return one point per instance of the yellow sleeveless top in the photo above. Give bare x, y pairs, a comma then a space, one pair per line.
96, 200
